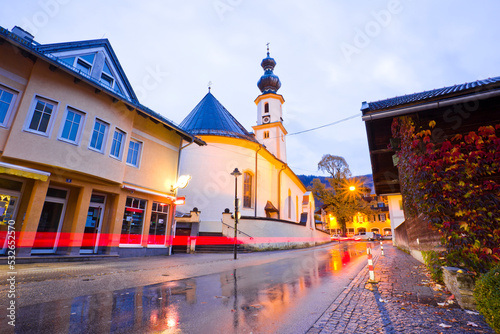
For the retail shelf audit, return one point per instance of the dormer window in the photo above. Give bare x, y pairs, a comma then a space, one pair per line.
266, 108
82, 63
106, 76
107, 80
97, 66
83, 66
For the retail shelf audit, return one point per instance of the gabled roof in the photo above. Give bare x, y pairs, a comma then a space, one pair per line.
58, 49
35, 50
210, 117
440, 93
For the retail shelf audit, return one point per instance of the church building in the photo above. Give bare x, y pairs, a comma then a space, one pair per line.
273, 201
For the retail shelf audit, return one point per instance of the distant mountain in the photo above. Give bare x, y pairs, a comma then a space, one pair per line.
308, 179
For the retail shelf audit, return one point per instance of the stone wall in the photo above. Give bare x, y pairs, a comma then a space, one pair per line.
461, 285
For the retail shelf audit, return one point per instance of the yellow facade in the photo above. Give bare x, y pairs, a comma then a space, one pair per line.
66, 196
378, 221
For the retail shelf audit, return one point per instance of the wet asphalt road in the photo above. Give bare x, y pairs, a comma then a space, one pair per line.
283, 296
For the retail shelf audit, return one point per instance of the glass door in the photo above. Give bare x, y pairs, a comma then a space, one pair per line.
49, 226
8, 208
93, 224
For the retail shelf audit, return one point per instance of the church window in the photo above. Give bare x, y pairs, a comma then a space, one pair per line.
266, 108
297, 208
266, 134
289, 204
247, 190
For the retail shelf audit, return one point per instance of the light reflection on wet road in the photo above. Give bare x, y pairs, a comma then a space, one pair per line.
284, 296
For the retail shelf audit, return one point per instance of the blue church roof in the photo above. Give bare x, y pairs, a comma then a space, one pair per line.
210, 117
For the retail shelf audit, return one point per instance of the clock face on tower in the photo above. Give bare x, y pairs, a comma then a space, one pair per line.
266, 119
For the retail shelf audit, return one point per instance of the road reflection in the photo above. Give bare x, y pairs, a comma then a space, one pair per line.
249, 299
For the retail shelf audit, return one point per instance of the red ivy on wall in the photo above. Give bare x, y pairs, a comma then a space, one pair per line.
455, 184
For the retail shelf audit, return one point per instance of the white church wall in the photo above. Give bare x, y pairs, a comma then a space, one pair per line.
211, 188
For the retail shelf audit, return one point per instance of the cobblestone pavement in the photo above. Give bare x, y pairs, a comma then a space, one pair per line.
403, 301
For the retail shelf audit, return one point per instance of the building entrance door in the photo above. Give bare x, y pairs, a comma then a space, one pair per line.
93, 224
49, 226
8, 207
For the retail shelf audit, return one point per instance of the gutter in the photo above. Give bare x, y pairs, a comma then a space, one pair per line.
433, 105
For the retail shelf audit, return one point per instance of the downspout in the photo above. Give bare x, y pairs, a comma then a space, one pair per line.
279, 190
256, 178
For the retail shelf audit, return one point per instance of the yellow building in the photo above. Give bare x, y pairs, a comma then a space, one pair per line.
84, 167
379, 221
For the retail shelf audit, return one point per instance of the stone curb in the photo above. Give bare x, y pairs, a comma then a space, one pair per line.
362, 277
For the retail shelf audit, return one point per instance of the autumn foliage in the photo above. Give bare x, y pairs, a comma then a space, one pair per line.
455, 183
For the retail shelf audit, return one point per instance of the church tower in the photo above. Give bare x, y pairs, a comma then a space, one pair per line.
269, 130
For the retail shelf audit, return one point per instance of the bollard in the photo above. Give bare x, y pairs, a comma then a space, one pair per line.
381, 248
370, 263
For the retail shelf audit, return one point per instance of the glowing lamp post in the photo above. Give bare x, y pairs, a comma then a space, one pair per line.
236, 173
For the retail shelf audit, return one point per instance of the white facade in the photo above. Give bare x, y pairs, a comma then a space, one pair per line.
396, 210
212, 187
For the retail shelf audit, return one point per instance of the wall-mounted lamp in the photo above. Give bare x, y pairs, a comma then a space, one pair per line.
181, 183
180, 201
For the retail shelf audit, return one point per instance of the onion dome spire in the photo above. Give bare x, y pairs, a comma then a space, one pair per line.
269, 82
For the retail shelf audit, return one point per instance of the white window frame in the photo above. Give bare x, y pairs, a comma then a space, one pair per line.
80, 127
31, 112
122, 144
105, 138
6, 121
139, 154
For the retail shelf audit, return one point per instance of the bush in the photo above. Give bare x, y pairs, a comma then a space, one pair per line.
487, 295
434, 262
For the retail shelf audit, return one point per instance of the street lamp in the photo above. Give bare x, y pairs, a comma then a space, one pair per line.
235, 173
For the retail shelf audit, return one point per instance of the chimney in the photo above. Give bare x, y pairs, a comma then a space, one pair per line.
23, 34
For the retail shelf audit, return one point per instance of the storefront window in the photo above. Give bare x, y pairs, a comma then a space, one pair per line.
133, 219
159, 223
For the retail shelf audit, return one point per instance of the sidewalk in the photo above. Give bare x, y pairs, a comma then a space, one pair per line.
402, 302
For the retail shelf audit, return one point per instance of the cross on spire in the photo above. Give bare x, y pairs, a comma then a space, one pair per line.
209, 85
268, 48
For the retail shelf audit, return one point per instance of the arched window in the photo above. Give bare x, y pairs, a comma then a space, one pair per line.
266, 108
297, 208
247, 190
266, 134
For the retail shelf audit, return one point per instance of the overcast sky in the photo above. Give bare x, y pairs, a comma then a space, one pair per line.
331, 55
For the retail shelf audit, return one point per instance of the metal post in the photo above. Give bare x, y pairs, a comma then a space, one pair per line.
236, 173
236, 218
381, 248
